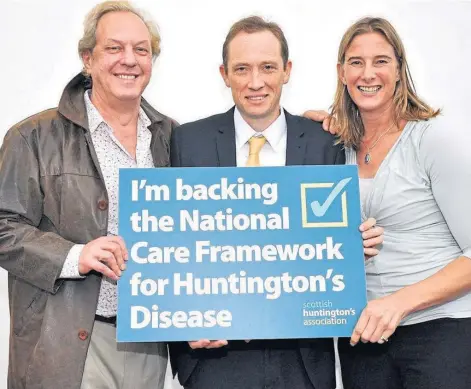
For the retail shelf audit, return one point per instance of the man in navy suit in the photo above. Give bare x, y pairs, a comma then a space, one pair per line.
256, 132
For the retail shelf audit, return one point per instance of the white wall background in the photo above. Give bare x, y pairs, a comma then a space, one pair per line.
39, 40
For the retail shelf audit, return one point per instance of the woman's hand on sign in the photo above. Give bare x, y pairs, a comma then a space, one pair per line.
206, 343
379, 320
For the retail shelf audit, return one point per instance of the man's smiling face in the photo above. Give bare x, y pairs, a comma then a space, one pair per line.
256, 74
121, 62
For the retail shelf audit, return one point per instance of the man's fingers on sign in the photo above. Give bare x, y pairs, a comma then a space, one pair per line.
208, 344
372, 237
217, 343
368, 224
105, 263
199, 344
115, 248
122, 246
105, 255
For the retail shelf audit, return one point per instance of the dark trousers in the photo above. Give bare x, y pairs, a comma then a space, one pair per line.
430, 355
249, 366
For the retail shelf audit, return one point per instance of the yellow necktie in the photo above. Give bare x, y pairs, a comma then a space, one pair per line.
255, 145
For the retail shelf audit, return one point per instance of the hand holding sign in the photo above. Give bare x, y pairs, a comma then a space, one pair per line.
373, 236
106, 255
206, 343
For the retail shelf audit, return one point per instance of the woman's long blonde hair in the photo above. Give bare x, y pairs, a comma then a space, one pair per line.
407, 105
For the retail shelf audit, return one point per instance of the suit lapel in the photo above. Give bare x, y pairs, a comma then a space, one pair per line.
296, 141
226, 148
225, 140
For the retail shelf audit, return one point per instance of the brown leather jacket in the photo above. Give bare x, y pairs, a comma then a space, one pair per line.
52, 195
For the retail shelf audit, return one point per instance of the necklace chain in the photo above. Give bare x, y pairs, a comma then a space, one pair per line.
368, 153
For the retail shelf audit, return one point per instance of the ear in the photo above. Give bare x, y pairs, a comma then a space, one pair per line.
288, 67
224, 76
341, 74
87, 61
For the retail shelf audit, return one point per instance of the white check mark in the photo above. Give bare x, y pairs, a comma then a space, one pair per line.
320, 210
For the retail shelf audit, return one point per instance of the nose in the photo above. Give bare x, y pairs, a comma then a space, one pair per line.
369, 72
256, 81
129, 57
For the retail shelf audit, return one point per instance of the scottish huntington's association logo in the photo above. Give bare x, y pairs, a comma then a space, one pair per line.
324, 204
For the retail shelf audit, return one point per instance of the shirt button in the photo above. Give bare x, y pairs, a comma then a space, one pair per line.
83, 335
102, 205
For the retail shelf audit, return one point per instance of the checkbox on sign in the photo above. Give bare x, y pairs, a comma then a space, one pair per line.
324, 204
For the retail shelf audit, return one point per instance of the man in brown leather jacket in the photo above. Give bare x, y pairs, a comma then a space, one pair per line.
58, 213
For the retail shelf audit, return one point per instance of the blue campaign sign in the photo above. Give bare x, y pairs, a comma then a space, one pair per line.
240, 253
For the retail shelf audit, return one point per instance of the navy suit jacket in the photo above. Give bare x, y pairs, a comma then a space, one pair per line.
210, 142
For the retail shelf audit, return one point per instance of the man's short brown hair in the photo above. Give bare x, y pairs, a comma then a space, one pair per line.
251, 25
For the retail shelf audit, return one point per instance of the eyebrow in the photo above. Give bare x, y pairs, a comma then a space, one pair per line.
240, 64
269, 63
376, 57
120, 42
248, 64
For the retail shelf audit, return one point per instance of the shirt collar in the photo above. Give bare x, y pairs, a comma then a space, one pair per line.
95, 118
273, 134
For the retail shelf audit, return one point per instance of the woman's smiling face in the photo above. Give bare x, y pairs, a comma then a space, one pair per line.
370, 72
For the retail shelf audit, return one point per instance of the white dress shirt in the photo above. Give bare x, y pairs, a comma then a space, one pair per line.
273, 152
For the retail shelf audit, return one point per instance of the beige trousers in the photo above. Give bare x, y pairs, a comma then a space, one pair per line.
112, 365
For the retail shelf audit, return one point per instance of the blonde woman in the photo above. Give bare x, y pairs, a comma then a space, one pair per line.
415, 180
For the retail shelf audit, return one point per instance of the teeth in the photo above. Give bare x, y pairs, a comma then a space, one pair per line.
256, 98
126, 77
369, 89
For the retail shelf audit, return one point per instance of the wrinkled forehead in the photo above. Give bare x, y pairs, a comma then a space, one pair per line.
122, 26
